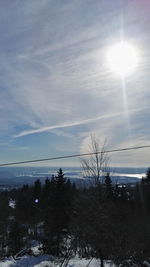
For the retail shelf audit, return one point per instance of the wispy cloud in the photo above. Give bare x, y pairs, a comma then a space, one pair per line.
71, 124
54, 73
65, 125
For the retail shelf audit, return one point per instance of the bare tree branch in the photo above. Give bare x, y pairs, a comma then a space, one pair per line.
96, 166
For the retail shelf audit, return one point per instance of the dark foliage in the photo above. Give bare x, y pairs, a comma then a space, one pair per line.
105, 221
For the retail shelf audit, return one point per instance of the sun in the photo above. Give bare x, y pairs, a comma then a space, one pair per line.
122, 58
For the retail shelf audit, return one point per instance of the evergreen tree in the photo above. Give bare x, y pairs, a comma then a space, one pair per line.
16, 235
108, 183
145, 185
45, 196
4, 213
148, 174
57, 217
37, 189
23, 206
146, 180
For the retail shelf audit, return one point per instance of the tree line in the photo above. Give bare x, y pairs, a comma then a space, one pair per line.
101, 220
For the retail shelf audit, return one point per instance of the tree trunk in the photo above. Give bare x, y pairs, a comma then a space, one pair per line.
101, 258
102, 261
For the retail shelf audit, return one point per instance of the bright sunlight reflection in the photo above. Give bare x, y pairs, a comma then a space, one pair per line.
122, 58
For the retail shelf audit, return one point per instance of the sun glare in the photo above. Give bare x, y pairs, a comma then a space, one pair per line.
122, 58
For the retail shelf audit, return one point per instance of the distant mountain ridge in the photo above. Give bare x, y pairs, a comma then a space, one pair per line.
18, 176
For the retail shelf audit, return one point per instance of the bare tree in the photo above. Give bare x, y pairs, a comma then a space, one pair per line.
96, 165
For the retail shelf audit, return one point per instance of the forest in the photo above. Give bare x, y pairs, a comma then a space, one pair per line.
101, 220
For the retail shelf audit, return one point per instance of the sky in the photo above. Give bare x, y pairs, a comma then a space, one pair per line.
57, 88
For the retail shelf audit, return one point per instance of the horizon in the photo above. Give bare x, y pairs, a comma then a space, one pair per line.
70, 167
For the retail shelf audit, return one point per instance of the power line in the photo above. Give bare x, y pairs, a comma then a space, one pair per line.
73, 156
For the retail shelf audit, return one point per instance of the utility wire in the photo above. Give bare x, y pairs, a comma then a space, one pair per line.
73, 156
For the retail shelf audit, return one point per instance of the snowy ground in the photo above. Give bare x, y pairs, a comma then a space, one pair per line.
38, 259
46, 261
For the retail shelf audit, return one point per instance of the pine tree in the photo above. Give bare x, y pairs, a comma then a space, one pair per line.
148, 174
146, 180
37, 189
108, 183
16, 235
57, 218
4, 213
59, 179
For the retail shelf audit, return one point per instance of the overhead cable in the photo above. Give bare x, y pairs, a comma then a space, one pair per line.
73, 156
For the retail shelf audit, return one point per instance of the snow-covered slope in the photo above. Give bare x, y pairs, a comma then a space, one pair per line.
46, 261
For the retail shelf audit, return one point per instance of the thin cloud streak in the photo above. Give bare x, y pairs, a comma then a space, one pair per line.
66, 88
70, 124
65, 125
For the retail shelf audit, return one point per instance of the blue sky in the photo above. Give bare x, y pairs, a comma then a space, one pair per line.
56, 87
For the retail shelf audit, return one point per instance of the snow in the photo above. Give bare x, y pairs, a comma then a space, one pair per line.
9, 262
46, 261
26, 261
12, 203
146, 264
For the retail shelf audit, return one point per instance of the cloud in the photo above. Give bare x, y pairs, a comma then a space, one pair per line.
54, 73
71, 124
65, 125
